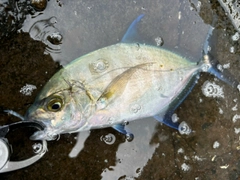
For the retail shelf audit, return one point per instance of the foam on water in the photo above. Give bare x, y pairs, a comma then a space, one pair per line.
216, 144
45, 31
108, 139
185, 167
184, 128
175, 118
235, 118
159, 41
27, 89
210, 89
235, 37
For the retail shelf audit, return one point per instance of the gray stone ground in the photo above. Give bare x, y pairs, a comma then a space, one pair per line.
157, 152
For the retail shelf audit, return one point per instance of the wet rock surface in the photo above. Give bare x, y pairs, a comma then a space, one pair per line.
211, 151
23, 62
12, 15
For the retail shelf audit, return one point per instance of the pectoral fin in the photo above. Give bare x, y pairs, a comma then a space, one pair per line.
119, 83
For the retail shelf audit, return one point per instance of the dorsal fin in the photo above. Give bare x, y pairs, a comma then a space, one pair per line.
131, 35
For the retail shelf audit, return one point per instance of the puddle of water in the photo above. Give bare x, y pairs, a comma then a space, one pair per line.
81, 27
128, 162
70, 29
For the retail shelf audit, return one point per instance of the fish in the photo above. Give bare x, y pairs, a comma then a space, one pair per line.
114, 85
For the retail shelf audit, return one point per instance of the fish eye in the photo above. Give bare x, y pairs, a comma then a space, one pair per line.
55, 104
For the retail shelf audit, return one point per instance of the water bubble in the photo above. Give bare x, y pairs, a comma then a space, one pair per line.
183, 128
108, 139
180, 150
210, 89
175, 118
37, 148
45, 31
235, 37
129, 137
185, 167
205, 67
135, 108
55, 38
186, 157
52, 136
237, 130
198, 158
226, 66
216, 144
220, 111
111, 120
159, 41
28, 89
99, 66
234, 108
235, 118
232, 49
220, 67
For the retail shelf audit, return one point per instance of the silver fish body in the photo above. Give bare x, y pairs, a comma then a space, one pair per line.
109, 86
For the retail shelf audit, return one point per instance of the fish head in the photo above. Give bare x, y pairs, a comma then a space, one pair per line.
62, 109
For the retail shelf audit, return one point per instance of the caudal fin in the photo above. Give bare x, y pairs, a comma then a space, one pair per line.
211, 66
223, 75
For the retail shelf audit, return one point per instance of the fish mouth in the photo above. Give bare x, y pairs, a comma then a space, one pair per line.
45, 132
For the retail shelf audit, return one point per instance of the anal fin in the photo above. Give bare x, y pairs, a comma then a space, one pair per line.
166, 118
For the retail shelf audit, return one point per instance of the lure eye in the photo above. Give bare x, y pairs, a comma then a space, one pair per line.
55, 104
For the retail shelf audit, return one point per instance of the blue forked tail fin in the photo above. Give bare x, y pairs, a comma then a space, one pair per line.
211, 66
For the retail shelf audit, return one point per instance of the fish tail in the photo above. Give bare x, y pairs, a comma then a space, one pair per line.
211, 66
223, 75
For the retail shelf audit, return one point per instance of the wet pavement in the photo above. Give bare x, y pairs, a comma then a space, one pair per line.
66, 30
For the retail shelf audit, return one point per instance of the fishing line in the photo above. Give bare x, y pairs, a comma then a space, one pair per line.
14, 114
